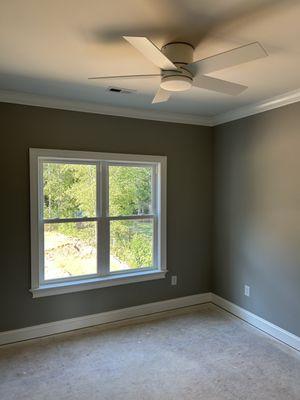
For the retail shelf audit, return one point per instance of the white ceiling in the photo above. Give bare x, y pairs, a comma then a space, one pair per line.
52, 47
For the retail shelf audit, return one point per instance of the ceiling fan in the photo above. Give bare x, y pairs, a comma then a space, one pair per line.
178, 71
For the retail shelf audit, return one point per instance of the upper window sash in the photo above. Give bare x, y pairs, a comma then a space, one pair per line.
102, 166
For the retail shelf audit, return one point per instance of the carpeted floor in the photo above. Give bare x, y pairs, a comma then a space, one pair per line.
199, 353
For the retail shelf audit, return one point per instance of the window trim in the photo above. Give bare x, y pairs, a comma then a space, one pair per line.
40, 287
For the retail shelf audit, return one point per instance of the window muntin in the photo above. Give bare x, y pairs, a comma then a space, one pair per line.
97, 219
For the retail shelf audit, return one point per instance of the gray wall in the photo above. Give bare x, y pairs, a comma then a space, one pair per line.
256, 192
189, 152
257, 214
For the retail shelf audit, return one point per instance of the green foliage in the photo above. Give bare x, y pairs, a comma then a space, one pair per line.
129, 190
82, 231
70, 191
131, 242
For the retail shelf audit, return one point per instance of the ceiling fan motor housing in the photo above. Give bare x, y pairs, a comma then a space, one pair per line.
180, 54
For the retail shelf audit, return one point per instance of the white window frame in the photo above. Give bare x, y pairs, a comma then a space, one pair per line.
103, 277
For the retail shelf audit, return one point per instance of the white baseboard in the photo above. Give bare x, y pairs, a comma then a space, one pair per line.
260, 323
148, 310
101, 318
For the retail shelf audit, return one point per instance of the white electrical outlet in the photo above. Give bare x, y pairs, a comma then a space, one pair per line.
174, 280
247, 291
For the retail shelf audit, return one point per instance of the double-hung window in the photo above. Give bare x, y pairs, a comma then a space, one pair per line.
97, 219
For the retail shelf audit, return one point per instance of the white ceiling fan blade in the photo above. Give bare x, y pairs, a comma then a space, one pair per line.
150, 51
230, 58
126, 76
218, 85
161, 96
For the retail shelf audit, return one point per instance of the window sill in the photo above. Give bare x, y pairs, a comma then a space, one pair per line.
96, 283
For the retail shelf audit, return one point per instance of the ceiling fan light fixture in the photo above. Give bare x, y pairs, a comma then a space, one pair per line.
176, 83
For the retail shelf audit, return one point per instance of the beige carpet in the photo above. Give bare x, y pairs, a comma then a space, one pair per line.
200, 353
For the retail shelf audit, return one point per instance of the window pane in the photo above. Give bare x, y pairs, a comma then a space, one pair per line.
69, 190
131, 244
130, 190
70, 249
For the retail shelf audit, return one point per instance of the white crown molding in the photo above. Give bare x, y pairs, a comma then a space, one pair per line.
273, 330
116, 316
256, 108
9, 96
